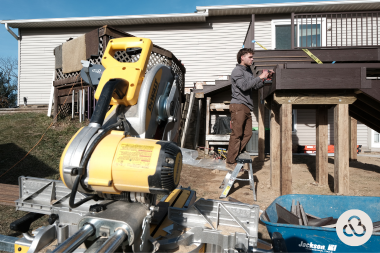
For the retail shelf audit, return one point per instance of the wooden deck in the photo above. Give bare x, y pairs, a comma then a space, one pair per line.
9, 194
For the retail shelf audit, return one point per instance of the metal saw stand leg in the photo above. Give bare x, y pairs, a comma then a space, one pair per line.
230, 178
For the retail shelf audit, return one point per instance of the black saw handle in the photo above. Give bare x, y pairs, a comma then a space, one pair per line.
23, 224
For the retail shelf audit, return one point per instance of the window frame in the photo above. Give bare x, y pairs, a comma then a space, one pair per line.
275, 22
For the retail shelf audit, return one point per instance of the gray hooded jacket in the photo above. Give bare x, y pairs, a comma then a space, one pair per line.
242, 84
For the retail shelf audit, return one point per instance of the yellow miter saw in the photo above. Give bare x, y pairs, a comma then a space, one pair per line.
113, 169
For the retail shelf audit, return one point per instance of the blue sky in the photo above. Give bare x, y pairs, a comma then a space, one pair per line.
34, 9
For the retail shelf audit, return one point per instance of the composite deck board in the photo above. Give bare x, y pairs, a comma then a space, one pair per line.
9, 194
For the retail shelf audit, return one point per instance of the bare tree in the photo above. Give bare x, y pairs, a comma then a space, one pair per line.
8, 81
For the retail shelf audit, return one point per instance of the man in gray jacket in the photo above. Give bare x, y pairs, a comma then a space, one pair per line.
243, 84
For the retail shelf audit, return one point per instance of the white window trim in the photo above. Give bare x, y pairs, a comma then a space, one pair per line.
288, 22
295, 121
373, 144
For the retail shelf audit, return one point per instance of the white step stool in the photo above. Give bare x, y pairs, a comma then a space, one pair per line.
230, 178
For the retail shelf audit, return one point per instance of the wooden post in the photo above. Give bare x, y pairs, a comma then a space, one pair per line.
353, 137
261, 143
55, 111
341, 160
198, 124
321, 163
275, 147
188, 117
286, 149
208, 102
292, 30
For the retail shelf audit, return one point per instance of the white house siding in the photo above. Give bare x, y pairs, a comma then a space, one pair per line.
263, 32
207, 50
37, 60
306, 129
363, 135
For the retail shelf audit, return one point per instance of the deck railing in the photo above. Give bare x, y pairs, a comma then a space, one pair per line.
339, 29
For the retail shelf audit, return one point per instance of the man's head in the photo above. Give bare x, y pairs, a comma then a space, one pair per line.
245, 56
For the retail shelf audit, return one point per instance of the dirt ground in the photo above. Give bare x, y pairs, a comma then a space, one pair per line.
364, 181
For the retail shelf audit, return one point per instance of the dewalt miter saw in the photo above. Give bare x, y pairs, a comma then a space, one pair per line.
113, 169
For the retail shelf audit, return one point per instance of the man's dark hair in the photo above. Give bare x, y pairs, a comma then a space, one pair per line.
242, 52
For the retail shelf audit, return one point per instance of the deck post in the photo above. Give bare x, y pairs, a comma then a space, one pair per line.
208, 102
275, 148
261, 144
322, 146
341, 143
292, 30
286, 149
199, 113
353, 137
56, 107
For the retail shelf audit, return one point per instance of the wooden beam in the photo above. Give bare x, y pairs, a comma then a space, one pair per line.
309, 79
208, 102
286, 148
198, 123
199, 95
219, 107
218, 143
341, 160
313, 98
322, 146
275, 147
56, 102
261, 110
188, 118
332, 66
217, 137
353, 138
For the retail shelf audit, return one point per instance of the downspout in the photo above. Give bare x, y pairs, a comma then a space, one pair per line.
11, 32
18, 79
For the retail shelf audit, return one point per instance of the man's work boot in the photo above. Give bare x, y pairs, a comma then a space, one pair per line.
230, 166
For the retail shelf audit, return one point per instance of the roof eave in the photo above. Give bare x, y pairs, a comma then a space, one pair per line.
109, 20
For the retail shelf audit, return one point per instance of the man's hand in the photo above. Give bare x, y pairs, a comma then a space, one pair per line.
264, 75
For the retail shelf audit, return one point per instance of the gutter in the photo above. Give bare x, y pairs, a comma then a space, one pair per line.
11, 32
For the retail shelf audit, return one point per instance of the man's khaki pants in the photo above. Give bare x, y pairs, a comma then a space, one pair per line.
241, 126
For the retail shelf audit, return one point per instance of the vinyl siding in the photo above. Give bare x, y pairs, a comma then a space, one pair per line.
206, 49
37, 61
306, 129
263, 34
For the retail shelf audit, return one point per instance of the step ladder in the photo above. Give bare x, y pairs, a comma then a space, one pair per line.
231, 176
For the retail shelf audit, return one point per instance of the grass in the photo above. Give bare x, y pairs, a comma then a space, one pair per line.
19, 132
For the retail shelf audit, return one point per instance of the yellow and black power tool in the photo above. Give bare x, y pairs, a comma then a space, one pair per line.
127, 152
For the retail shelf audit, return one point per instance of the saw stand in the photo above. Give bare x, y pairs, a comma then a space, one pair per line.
231, 176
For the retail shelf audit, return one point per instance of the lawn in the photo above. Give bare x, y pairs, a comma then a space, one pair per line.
19, 132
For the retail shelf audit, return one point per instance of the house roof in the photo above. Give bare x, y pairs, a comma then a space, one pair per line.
107, 20
297, 7
202, 12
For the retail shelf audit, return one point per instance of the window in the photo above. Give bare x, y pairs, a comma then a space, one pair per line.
376, 137
307, 33
283, 38
310, 35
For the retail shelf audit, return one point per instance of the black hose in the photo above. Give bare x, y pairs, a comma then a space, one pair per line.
83, 165
104, 101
